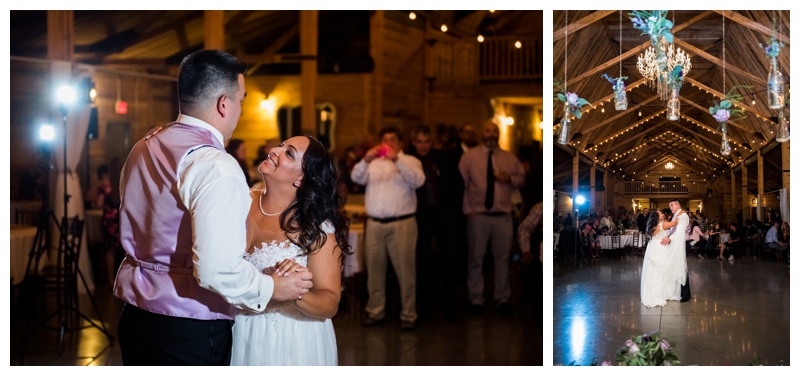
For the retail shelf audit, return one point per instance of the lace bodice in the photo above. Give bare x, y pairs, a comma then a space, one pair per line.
270, 253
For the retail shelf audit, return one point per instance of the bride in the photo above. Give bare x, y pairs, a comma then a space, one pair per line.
663, 268
297, 221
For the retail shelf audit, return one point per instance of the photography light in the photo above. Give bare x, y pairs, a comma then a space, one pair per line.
47, 133
580, 200
65, 95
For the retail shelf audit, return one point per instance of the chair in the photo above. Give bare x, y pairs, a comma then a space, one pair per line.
27, 217
635, 246
616, 249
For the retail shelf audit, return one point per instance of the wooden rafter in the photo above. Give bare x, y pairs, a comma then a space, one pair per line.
617, 116
728, 66
635, 50
722, 95
580, 24
750, 24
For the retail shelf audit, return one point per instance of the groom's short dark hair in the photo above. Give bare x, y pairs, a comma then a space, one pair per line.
204, 75
675, 200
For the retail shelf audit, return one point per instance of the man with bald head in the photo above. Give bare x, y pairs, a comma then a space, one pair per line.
490, 175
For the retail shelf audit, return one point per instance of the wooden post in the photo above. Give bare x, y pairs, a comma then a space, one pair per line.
377, 24
760, 184
60, 35
309, 27
785, 165
733, 191
214, 29
592, 181
576, 163
745, 200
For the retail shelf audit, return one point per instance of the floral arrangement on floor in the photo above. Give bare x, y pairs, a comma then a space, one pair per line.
646, 350
653, 23
575, 102
773, 49
618, 84
723, 110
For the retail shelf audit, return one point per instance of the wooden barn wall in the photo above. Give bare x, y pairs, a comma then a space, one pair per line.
154, 102
403, 87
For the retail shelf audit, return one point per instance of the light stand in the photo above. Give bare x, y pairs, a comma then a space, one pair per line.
579, 255
67, 270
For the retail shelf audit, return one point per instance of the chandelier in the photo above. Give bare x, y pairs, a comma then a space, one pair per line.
655, 77
669, 166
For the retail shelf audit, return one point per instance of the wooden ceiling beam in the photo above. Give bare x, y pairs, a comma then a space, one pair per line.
580, 24
719, 95
634, 50
750, 24
728, 66
617, 116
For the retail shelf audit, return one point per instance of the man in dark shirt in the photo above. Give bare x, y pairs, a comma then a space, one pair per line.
732, 246
641, 220
752, 238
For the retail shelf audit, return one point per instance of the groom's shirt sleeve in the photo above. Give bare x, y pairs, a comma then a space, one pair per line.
212, 187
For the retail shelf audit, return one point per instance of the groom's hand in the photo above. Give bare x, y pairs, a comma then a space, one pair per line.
665, 240
291, 287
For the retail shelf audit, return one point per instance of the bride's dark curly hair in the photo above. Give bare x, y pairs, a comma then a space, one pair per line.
319, 199
652, 220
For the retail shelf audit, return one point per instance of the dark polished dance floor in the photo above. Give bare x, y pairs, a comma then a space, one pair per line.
739, 312
444, 335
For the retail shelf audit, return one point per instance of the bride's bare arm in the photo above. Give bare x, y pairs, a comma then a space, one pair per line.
668, 225
322, 300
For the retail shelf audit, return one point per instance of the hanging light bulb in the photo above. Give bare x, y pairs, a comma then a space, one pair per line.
783, 128
518, 44
480, 38
412, 16
444, 28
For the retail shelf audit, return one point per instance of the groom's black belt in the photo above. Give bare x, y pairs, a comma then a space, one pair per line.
391, 219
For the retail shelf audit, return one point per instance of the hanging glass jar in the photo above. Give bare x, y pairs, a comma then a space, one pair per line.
783, 128
725, 148
563, 129
661, 53
620, 97
673, 104
775, 92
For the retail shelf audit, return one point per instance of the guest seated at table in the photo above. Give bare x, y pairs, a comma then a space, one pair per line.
752, 238
773, 244
697, 239
732, 246
608, 221
713, 242
591, 246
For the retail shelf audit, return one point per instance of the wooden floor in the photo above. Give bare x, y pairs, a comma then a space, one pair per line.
738, 313
445, 335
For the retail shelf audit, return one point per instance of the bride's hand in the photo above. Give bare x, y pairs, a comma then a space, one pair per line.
288, 266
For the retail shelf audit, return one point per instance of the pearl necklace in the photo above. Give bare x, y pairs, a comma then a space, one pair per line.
269, 214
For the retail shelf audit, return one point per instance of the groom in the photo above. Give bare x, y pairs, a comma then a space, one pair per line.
683, 225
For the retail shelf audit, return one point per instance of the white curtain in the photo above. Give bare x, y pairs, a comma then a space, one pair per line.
784, 204
76, 127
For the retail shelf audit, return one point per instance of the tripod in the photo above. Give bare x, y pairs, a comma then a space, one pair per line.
67, 272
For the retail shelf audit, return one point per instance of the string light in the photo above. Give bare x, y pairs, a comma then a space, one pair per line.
444, 28
412, 16
480, 38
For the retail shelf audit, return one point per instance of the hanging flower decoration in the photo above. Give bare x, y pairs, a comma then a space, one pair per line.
618, 84
575, 102
773, 49
653, 23
723, 110
675, 77
647, 350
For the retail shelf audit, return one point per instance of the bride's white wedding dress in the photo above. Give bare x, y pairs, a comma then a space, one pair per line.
282, 335
663, 271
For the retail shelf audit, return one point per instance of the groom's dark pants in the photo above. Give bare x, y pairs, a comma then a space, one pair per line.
148, 339
686, 292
